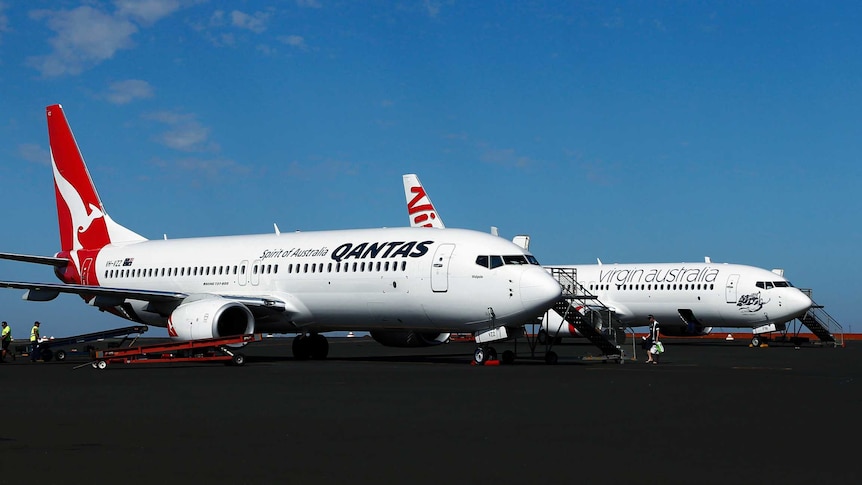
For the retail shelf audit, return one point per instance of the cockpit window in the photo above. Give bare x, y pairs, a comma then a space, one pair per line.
515, 259
768, 285
495, 261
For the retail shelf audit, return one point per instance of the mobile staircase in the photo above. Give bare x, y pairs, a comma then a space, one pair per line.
585, 313
816, 320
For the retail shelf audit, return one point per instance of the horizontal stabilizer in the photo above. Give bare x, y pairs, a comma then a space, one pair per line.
49, 260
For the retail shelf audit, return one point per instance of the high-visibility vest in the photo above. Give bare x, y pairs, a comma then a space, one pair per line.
34, 333
7, 333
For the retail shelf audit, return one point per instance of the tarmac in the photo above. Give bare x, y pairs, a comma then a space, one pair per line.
711, 412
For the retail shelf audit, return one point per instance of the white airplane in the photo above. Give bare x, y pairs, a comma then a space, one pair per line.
687, 299
405, 286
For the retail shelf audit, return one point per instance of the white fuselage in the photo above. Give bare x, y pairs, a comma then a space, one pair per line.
714, 294
340, 280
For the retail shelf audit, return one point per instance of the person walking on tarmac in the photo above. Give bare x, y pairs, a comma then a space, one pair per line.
5, 340
34, 342
654, 344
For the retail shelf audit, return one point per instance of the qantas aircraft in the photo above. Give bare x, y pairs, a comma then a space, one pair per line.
405, 286
687, 299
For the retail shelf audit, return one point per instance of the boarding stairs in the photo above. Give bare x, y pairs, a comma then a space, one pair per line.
817, 321
607, 337
822, 324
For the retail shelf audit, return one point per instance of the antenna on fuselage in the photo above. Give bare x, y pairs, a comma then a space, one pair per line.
706, 259
277, 232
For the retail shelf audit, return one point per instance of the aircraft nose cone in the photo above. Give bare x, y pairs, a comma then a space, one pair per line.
539, 290
799, 304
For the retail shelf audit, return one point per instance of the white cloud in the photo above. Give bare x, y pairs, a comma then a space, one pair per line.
255, 22
34, 153
4, 20
432, 8
84, 37
293, 41
309, 3
123, 92
186, 133
146, 11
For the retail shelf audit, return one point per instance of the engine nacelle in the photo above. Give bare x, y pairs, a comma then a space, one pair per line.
210, 318
408, 338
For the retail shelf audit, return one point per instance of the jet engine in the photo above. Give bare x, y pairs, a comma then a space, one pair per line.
408, 338
210, 318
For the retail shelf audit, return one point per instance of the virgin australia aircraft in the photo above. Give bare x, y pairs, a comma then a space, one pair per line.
688, 299
407, 286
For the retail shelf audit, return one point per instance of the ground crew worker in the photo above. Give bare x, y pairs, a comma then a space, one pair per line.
5, 340
34, 342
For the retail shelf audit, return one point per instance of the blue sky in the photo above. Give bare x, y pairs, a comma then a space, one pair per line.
626, 131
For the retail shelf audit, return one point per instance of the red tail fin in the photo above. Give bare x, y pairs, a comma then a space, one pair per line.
82, 218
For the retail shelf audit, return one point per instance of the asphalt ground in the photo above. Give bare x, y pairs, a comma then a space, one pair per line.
710, 413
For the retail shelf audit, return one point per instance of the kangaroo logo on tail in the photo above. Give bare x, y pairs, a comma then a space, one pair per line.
84, 225
419, 207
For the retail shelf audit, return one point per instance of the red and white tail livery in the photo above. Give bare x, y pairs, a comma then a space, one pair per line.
419, 207
406, 286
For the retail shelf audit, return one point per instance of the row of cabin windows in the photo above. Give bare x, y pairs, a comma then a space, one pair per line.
355, 267
657, 287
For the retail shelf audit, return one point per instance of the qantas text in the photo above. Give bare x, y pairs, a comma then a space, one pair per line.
655, 275
394, 249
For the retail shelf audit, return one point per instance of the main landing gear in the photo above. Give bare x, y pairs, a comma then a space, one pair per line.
485, 353
312, 346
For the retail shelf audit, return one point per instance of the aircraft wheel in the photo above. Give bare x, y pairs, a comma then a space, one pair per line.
551, 358
492, 353
300, 347
319, 347
508, 357
480, 356
238, 359
756, 341
47, 355
101, 364
61, 355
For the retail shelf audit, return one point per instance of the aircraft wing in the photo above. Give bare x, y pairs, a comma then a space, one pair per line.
49, 291
27, 258
115, 296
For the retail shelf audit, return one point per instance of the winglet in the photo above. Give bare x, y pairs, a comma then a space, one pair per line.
419, 207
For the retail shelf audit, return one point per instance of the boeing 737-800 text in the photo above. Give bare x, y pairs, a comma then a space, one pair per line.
406, 286
688, 299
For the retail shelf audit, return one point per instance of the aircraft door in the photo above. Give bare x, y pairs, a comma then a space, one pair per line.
440, 268
255, 272
242, 275
85, 271
730, 289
